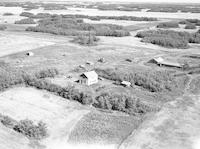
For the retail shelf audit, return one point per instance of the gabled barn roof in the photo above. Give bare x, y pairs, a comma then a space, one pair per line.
90, 75
162, 61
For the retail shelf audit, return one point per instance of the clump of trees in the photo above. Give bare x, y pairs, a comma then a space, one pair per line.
169, 38
27, 14
123, 103
25, 21
168, 25
26, 127
56, 24
86, 40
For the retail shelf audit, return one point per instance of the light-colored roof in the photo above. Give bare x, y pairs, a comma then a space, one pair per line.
167, 62
90, 74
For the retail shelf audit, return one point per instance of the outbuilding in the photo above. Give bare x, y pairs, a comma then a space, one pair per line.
89, 78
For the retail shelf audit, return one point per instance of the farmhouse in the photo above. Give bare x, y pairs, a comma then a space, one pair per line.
89, 78
162, 62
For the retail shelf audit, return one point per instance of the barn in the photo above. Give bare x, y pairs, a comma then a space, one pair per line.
89, 78
162, 62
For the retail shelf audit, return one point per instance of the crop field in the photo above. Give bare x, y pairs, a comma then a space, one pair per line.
46, 49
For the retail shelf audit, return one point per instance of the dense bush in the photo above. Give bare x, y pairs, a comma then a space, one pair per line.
168, 25
3, 27
167, 42
157, 81
190, 26
25, 21
59, 25
169, 38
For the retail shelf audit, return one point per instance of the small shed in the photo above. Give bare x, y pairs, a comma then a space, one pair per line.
126, 83
89, 78
30, 54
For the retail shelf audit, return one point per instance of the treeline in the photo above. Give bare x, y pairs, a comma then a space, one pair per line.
30, 5
128, 18
169, 38
53, 6
26, 127
97, 18
153, 81
172, 8
195, 22
25, 21
168, 25
58, 25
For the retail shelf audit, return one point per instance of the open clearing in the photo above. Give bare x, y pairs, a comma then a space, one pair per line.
12, 43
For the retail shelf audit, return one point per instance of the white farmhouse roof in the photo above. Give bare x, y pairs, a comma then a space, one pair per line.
90, 74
